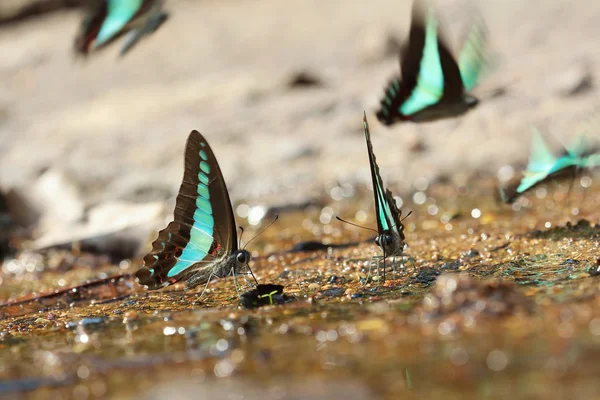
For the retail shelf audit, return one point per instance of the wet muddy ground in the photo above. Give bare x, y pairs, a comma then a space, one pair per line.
492, 301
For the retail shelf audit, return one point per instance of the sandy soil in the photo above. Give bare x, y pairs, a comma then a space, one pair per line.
119, 126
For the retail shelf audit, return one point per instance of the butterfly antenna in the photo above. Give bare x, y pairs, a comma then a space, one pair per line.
358, 226
262, 230
241, 228
406, 216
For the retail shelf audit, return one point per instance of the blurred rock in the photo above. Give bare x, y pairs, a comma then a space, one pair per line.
6, 226
304, 79
376, 44
459, 293
53, 199
118, 229
21, 211
574, 81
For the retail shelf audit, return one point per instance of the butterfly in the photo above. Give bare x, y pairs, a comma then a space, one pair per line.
544, 165
109, 19
390, 231
201, 241
433, 85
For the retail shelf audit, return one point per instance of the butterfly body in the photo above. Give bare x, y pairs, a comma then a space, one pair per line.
391, 242
446, 109
232, 264
107, 20
433, 85
201, 241
390, 229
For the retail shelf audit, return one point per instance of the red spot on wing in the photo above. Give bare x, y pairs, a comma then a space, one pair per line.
214, 249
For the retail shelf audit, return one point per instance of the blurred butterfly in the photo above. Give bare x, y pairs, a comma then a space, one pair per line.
433, 85
544, 165
201, 241
390, 230
107, 20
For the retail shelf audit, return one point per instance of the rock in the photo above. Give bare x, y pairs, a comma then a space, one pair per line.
574, 81
427, 275
459, 293
119, 229
304, 79
376, 44
52, 199
6, 226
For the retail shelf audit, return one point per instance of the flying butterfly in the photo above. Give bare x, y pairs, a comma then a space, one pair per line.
107, 20
432, 84
201, 241
390, 230
544, 165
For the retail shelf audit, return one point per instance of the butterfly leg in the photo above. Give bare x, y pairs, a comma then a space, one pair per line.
207, 282
235, 282
375, 260
252, 273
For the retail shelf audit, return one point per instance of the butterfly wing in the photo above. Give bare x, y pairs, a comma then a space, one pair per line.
153, 21
399, 89
96, 14
203, 229
388, 215
426, 66
472, 60
120, 13
541, 161
592, 161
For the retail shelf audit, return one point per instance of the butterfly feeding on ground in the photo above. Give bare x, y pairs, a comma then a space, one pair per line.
432, 84
390, 230
201, 241
107, 20
544, 165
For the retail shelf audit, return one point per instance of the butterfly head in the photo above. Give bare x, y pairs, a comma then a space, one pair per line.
390, 243
242, 258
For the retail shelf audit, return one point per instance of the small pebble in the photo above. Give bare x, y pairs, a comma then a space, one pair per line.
314, 286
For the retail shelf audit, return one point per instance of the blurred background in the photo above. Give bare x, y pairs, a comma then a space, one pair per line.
279, 89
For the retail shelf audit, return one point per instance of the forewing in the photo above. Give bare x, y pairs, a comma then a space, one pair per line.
120, 13
399, 89
385, 218
96, 12
203, 231
430, 75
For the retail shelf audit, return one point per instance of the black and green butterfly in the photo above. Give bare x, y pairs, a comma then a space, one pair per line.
544, 165
201, 241
107, 20
433, 85
390, 230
